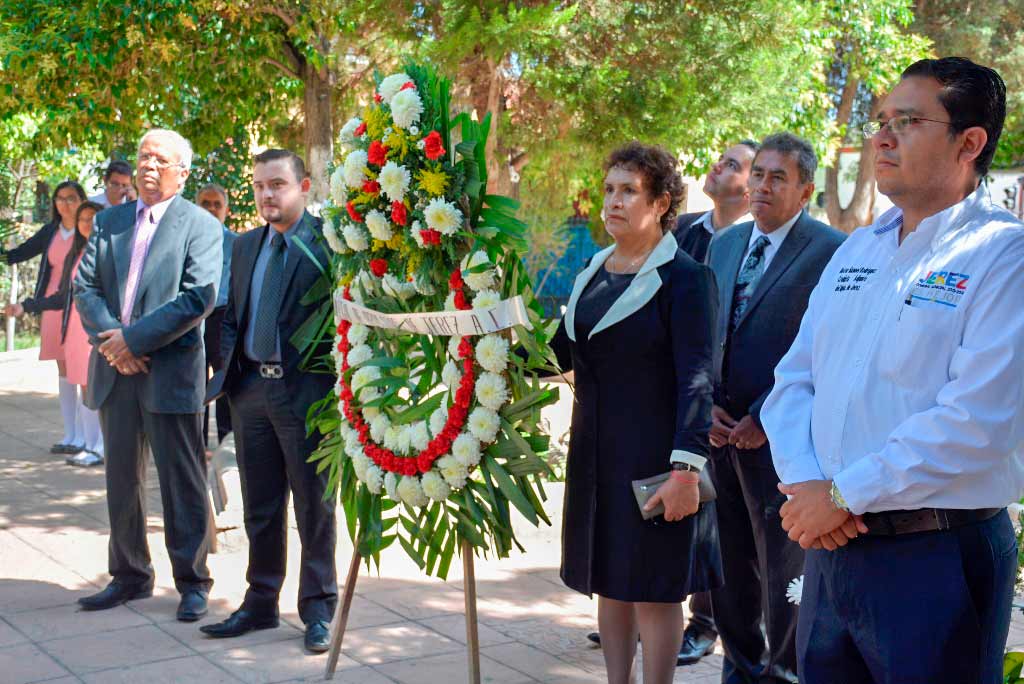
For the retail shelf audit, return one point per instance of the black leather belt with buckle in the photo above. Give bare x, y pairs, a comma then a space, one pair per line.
268, 371
890, 523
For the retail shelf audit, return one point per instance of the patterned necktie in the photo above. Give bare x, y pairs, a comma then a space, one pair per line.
144, 229
264, 341
746, 281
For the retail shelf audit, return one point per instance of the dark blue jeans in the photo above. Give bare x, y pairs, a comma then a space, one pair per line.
919, 608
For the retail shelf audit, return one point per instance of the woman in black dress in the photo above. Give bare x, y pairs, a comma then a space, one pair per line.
638, 334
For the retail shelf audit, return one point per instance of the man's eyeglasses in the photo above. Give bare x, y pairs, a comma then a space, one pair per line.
159, 162
896, 125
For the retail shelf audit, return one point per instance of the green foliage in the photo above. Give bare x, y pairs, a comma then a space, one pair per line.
230, 166
1013, 662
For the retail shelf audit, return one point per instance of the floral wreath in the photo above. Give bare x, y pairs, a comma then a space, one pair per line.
450, 431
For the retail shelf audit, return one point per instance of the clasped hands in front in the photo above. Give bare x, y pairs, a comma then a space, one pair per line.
115, 350
812, 519
744, 433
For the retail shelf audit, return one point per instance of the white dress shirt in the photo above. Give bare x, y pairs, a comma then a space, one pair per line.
708, 221
775, 240
905, 384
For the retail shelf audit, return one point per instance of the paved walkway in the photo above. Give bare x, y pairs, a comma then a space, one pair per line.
403, 628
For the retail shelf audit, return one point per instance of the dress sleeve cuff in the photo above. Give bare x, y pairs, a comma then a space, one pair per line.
860, 484
688, 457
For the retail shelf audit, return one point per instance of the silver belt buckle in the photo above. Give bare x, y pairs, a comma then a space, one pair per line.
271, 371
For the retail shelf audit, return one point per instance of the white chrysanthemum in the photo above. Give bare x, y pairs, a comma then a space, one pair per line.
368, 394
339, 188
378, 225
410, 490
334, 241
379, 427
374, 478
367, 281
434, 486
419, 437
485, 299
483, 423
466, 449
355, 169
392, 439
450, 374
417, 238
358, 333
795, 590
449, 302
453, 472
351, 437
355, 237
354, 450
360, 462
363, 376
370, 412
396, 288
453, 345
347, 136
477, 280
394, 181
391, 486
492, 353
438, 419
491, 390
391, 85
424, 286
442, 216
406, 107
359, 353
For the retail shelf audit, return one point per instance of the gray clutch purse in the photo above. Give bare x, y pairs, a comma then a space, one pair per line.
644, 490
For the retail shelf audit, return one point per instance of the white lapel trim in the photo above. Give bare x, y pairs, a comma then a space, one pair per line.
577, 289
643, 286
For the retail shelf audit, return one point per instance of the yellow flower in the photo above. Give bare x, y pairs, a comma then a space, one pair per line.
396, 241
397, 143
432, 182
378, 245
376, 120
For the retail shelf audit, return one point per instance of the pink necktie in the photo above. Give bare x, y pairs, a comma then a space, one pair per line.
144, 229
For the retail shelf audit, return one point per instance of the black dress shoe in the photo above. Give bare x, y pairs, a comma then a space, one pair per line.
192, 606
696, 645
318, 636
114, 595
594, 638
238, 623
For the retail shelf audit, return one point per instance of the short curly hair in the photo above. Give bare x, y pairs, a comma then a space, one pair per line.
660, 171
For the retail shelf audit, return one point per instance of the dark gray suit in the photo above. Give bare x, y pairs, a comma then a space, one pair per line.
177, 289
758, 557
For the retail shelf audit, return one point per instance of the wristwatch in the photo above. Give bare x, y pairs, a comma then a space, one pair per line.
687, 467
837, 498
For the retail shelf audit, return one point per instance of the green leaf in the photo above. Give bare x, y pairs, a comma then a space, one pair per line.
1013, 663
511, 491
421, 410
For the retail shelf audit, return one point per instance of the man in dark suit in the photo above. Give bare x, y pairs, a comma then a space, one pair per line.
726, 185
146, 281
270, 390
765, 272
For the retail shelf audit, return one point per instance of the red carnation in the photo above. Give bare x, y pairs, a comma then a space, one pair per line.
460, 301
347, 294
371, 186
353, 214
377, 154
377, 98
398, 213
430, 237
379, 267
432, 146
455, 281
424, 463
465, 348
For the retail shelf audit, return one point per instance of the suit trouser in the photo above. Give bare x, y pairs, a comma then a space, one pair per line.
176, 442
701, 618
925, 608
759, 561
272, 448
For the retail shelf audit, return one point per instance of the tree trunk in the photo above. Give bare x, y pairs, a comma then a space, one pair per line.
858, 212
319, 135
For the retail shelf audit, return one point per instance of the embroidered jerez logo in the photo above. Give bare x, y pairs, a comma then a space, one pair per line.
941, 287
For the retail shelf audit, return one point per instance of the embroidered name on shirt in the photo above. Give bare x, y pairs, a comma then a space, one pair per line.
852, 277
941, 287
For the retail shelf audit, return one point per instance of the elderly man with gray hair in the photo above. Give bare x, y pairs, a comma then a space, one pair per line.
148, 278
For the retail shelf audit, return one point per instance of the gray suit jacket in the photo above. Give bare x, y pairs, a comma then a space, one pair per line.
745, 363
176, 291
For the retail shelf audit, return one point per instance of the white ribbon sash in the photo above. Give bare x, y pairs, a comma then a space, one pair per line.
504, 314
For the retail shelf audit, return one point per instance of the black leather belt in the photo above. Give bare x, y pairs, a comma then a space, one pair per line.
268, 371
890, 523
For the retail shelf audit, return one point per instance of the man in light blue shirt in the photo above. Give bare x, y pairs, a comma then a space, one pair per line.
897, 416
